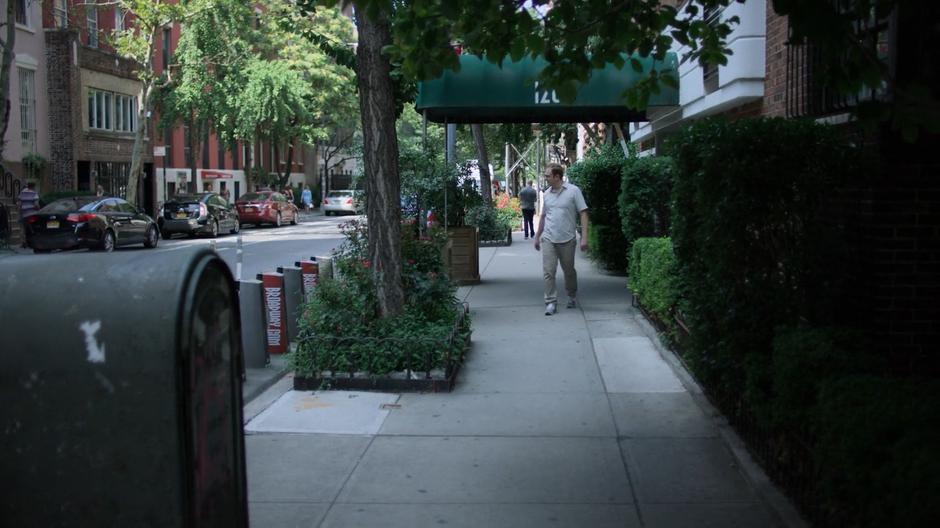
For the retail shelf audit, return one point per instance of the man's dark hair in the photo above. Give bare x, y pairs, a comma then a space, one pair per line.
555, 169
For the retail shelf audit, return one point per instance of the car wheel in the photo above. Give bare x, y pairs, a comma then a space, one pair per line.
237, 228
326, 213
277, 221
152, 238
293, 218
215, 229
108, 241
41, 250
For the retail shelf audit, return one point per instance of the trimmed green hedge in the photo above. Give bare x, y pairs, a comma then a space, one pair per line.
644, 201
653, 277
599, 178
754, 246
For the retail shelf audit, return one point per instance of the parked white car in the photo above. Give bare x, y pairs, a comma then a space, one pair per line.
340, 202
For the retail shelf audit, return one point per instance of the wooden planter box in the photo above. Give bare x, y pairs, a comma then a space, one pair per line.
462, 255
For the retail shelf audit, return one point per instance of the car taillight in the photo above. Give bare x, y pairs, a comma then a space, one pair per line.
32, 219
348, 201
326, 200
203, 210
79, 217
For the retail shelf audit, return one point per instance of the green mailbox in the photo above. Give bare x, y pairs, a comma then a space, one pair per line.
120, 380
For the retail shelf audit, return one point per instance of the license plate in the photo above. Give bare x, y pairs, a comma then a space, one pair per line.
181, 215
52, 224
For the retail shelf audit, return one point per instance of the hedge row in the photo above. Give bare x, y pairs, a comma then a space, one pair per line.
759, 266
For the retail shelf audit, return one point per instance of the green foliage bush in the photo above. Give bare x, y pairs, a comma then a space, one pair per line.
342, 332
877, 451
599, 178
645, 194
653, 277
493, 223
753, 243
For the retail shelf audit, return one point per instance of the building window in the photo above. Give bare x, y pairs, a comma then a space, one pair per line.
168, 142
28, 108
60, 13
112, 177
221, 152
111, 111
21, 12
118, 18
712, 17
91, 16
166, 49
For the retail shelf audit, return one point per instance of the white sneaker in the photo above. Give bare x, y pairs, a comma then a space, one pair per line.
550, 309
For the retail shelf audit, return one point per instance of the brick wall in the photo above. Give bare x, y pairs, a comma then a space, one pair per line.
775, 80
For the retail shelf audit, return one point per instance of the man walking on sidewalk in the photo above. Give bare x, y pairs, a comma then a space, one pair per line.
562, 204
527, 198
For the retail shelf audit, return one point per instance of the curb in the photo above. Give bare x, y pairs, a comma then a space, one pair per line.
775, 501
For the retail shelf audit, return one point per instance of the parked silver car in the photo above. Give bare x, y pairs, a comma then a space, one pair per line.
340, 202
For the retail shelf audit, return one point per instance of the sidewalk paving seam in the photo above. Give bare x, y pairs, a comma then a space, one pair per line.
610, 409
770, 497
339, 490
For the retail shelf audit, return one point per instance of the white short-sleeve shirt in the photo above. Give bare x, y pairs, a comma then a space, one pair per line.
561, 209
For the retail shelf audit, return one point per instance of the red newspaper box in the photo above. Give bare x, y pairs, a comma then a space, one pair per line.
310, 275
275, 308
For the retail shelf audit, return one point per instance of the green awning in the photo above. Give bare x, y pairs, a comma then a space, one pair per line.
482, 92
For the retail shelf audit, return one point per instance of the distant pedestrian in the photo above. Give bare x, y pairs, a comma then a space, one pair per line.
99, 191
28, 200
227, 195
562, 205
307, 198
289, 194
527, 198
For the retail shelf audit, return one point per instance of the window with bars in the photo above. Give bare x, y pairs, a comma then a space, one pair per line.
112, 176
112, 111
91, 25
27, 108
808, 93
21, 12
60, 14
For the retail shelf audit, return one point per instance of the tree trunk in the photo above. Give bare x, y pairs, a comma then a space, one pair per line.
483, 164
380, 157
137, 152
5, 66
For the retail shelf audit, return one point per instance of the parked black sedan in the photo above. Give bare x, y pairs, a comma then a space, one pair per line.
89, 222
193, 214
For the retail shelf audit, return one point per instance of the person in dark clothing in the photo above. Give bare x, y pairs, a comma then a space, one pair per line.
527, 198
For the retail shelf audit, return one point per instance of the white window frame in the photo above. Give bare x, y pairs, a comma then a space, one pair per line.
118, 18
27, 81
110, 111
91, 24
60, 13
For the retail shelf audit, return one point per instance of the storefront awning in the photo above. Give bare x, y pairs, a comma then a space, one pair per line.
484, 92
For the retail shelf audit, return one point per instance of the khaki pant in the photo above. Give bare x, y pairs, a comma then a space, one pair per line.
552, 254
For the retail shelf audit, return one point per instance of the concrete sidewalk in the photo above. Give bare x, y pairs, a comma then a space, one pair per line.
578, 419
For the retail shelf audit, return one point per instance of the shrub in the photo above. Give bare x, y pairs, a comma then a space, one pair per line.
653, 277
877, 453
644, 198
342, 332
492, 222
754, 246
599, 178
